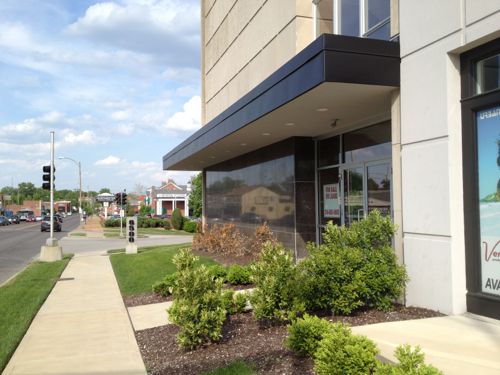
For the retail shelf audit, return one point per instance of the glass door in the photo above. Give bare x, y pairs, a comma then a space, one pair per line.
365, 187
378, 187
353, 194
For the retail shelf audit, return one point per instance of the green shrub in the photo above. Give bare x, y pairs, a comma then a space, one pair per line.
240, 302
176, 220
274, 296
218, 271
239, 275
166, 286
304, 335
354, 267
198, 307
190, 226
165, 224
341, 353
111, 223
410, 363
234, 303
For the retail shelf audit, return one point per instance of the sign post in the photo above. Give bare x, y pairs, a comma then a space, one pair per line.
131, 236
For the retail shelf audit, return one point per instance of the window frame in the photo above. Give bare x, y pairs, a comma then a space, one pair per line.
364, 30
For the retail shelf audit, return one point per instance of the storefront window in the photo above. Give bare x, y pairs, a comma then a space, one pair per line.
487, 74
366, 144
488, 146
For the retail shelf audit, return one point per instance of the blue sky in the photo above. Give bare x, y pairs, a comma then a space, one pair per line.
118, 81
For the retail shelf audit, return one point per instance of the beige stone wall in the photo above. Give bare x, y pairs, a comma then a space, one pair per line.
244, 41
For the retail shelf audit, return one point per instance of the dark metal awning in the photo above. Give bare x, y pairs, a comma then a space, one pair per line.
335, 77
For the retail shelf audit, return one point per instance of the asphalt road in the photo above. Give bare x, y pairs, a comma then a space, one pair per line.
21, 243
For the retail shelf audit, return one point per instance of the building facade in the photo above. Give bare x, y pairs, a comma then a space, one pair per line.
325, 110
168, 197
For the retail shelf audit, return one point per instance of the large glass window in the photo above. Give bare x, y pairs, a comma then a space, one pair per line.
329, 151
488, 163
487, 74
349, 17
372, 143
366, 18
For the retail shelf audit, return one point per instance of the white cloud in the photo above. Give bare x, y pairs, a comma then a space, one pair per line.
189, 119
110, 160
152, 27
86, 137
125, 129
120, 115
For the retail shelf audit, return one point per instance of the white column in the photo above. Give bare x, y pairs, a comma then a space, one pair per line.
159, 203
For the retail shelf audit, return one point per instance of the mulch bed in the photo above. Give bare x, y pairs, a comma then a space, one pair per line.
244, 339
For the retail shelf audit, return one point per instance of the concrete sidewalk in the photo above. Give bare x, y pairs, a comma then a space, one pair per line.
82, 328
457, 345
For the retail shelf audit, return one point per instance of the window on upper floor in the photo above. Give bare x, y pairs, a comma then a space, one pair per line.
487, 74
365, 18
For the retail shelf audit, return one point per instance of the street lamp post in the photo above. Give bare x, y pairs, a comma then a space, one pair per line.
80, 178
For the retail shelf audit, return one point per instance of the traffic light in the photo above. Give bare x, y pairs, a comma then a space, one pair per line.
124, 199
46, 177
118, 198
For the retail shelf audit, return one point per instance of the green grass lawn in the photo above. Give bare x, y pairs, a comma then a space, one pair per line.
114, 232
20, 300
236, 368
78, 234
136, 273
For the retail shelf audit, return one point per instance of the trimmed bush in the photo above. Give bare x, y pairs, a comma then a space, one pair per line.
274, 275
238, 275
166, 286
165, 223
240, 302
190, 226
218, 271
176, 220
198, 307
305, 334
234, 303
354, 267
411, 362
340, 353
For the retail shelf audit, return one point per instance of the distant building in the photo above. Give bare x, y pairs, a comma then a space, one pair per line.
168, 197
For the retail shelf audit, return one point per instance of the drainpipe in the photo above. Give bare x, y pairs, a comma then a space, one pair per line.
315, 18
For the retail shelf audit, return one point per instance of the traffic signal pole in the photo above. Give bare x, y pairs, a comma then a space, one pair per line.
52, 239
51, 252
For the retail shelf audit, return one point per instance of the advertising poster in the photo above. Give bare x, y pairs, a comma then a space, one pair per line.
331, 202
488, 146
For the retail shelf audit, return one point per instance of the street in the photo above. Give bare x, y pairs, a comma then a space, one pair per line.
20, 243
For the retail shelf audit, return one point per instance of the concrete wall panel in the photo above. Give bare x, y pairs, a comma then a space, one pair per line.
428, 262
425, 21
425, 182
474, 12
424, 92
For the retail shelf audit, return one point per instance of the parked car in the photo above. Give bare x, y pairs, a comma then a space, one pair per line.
38, 218
14, 219
58, 217
45, 225
3, 221
31, 218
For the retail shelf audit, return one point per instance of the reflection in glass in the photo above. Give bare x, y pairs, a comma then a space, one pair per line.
488, 74
367, 144
383, 32
329, 201
329, 151
349, 15
353, 195
378, 11
379, 188
253, 194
